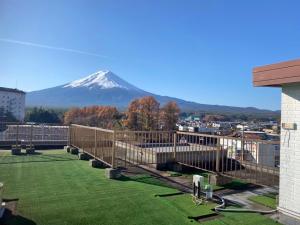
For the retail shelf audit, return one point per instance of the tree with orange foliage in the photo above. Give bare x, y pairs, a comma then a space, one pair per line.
149, 113
133, 118
70, 115
101, 116
170, 115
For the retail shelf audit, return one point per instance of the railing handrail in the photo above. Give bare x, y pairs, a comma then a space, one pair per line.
92, 128
32, 123
145, 131
227, 137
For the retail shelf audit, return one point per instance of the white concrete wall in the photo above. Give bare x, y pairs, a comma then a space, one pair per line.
289, 192
13, 102
267, 154
261, 153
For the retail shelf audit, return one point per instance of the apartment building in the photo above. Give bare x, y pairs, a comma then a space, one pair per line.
13, 100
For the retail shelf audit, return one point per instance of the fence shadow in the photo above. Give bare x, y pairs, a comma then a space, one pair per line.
143, 178
10, 218
37, 157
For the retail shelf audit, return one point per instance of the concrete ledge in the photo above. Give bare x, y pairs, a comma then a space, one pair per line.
216, 179
74, 151
67, 148
177, 167
289, 213
111, 173
16, 151
96, 163
30, 150
83, 156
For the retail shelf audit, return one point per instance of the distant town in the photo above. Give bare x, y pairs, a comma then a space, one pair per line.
253, 129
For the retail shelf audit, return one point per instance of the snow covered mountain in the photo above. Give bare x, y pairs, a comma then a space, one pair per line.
106, 88
103, 80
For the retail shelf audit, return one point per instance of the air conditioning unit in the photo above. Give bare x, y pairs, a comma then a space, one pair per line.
198, 183
208, 191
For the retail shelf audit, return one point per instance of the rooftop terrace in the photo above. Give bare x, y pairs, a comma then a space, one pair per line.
53, 187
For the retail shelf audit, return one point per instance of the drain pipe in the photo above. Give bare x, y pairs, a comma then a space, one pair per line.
221, 208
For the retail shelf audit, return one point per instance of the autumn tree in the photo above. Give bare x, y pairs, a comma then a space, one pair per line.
149, 113
133, 115
209, 118
170, 115
143, 114
101, 116
107, 117
71, 116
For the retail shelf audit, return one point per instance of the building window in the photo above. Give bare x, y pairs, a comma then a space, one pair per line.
277, 161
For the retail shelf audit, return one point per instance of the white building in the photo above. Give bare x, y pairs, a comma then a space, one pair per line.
242, 127
221, 125
183, 128
287, 76
13, 100
259, 152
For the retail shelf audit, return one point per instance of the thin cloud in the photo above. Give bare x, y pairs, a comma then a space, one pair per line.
52, 47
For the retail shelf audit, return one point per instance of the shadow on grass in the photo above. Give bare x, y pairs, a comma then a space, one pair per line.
10, 219
36, 157
239, 185
146, 179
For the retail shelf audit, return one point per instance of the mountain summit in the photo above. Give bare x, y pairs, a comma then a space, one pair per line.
103, 80
106, 88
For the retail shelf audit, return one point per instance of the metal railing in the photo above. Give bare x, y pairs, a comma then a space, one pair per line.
33, 134
256, 161
97, 142
144, 147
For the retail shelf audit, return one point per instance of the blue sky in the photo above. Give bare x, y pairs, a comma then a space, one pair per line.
198, 50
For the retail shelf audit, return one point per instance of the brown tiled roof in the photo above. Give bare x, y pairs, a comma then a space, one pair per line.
277, 74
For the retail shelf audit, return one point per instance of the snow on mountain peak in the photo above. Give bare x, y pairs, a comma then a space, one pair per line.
103, 80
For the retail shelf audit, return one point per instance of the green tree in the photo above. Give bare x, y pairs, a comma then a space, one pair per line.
41, 115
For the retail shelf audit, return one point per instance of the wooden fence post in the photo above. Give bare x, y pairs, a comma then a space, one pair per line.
17, 137
243, 146
95, 144
174, 145
31, 134
218, 154
113, 150
69, 135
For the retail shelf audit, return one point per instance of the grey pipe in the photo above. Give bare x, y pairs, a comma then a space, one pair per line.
221, 208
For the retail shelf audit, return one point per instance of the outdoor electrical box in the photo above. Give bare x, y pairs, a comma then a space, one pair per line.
198, 182
208, 191
289, 126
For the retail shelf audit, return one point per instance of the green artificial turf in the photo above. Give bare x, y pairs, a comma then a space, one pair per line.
53, 187
185, 204
236, 184
268, 200
236, 218
57, 188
